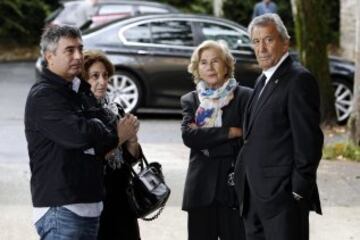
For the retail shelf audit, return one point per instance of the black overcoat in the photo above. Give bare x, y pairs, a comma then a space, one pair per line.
282, 142
212, 153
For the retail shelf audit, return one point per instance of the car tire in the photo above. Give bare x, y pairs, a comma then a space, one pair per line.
125, 89
343, 91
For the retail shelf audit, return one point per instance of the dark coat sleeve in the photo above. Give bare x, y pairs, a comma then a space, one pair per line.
109, 119
57, 120
245, 94
304, 114
199, 138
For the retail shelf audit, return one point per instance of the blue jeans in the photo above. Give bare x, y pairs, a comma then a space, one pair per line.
61, 224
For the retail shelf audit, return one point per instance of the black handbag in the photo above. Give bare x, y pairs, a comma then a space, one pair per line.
147, 190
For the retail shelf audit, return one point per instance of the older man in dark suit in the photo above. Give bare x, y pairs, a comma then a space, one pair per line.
276, 171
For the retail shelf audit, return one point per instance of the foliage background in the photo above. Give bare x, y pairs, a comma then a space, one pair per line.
21, 21
240, 11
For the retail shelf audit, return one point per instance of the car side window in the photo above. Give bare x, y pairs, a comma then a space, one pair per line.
232, 37
116, 9
177, 33
138, 34
149, 9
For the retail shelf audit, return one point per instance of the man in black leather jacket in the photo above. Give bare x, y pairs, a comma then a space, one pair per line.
67, 177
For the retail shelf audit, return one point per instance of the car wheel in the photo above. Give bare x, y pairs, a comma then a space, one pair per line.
343, 99
124, 88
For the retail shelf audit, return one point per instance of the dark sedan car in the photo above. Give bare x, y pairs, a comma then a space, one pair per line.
71, 12
151, 54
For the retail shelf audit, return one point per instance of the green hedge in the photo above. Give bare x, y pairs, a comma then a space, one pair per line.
21, 21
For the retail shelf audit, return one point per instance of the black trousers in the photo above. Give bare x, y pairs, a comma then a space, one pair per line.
118, 222
292, 223
215, 222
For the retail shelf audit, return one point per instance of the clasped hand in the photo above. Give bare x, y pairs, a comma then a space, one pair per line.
127, 128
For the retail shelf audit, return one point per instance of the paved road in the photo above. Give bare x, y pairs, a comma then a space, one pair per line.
339, 181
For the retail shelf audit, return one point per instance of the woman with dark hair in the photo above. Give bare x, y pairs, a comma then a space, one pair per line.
117, 221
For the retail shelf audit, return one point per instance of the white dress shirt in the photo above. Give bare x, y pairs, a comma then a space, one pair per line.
269, 72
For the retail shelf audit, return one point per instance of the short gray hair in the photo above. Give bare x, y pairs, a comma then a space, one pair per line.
52, 34
267, 18
226, 56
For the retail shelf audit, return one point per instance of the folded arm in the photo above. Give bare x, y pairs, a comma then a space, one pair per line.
197, 138
57, 120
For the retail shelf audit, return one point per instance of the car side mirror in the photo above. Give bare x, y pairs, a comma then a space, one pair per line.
86, 25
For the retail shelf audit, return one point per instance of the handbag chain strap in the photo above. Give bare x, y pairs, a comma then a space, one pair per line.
155, 216
142, 160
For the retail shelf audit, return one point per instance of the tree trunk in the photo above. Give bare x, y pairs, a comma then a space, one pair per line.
354, 122
310, 32
218, 8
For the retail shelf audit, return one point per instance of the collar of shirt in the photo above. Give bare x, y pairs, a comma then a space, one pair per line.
54, 78
76, 84
269, 72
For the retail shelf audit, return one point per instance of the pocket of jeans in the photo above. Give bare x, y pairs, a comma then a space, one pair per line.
39, 226
45, 223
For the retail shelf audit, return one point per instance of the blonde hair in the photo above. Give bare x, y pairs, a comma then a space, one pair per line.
225, 53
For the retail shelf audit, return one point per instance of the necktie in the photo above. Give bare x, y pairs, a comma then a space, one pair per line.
258, 88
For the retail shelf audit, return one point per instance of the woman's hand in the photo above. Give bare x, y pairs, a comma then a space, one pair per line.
110, 154
127, 128
235, 132
133, 146
193, 125
133, 140
133, 121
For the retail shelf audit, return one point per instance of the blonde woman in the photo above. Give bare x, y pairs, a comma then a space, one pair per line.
211, 128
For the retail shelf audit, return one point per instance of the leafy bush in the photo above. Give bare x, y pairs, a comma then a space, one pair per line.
342, 151
241, 12
245, 8
21, 21
191, 6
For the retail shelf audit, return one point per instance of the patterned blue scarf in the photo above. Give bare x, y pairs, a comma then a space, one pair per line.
209, 112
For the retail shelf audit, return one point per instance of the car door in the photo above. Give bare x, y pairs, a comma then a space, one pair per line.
246, 67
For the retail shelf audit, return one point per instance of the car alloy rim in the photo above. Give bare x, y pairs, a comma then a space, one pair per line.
343, 101
123, 90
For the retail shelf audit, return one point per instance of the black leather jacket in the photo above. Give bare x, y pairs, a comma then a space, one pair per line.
61, 139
